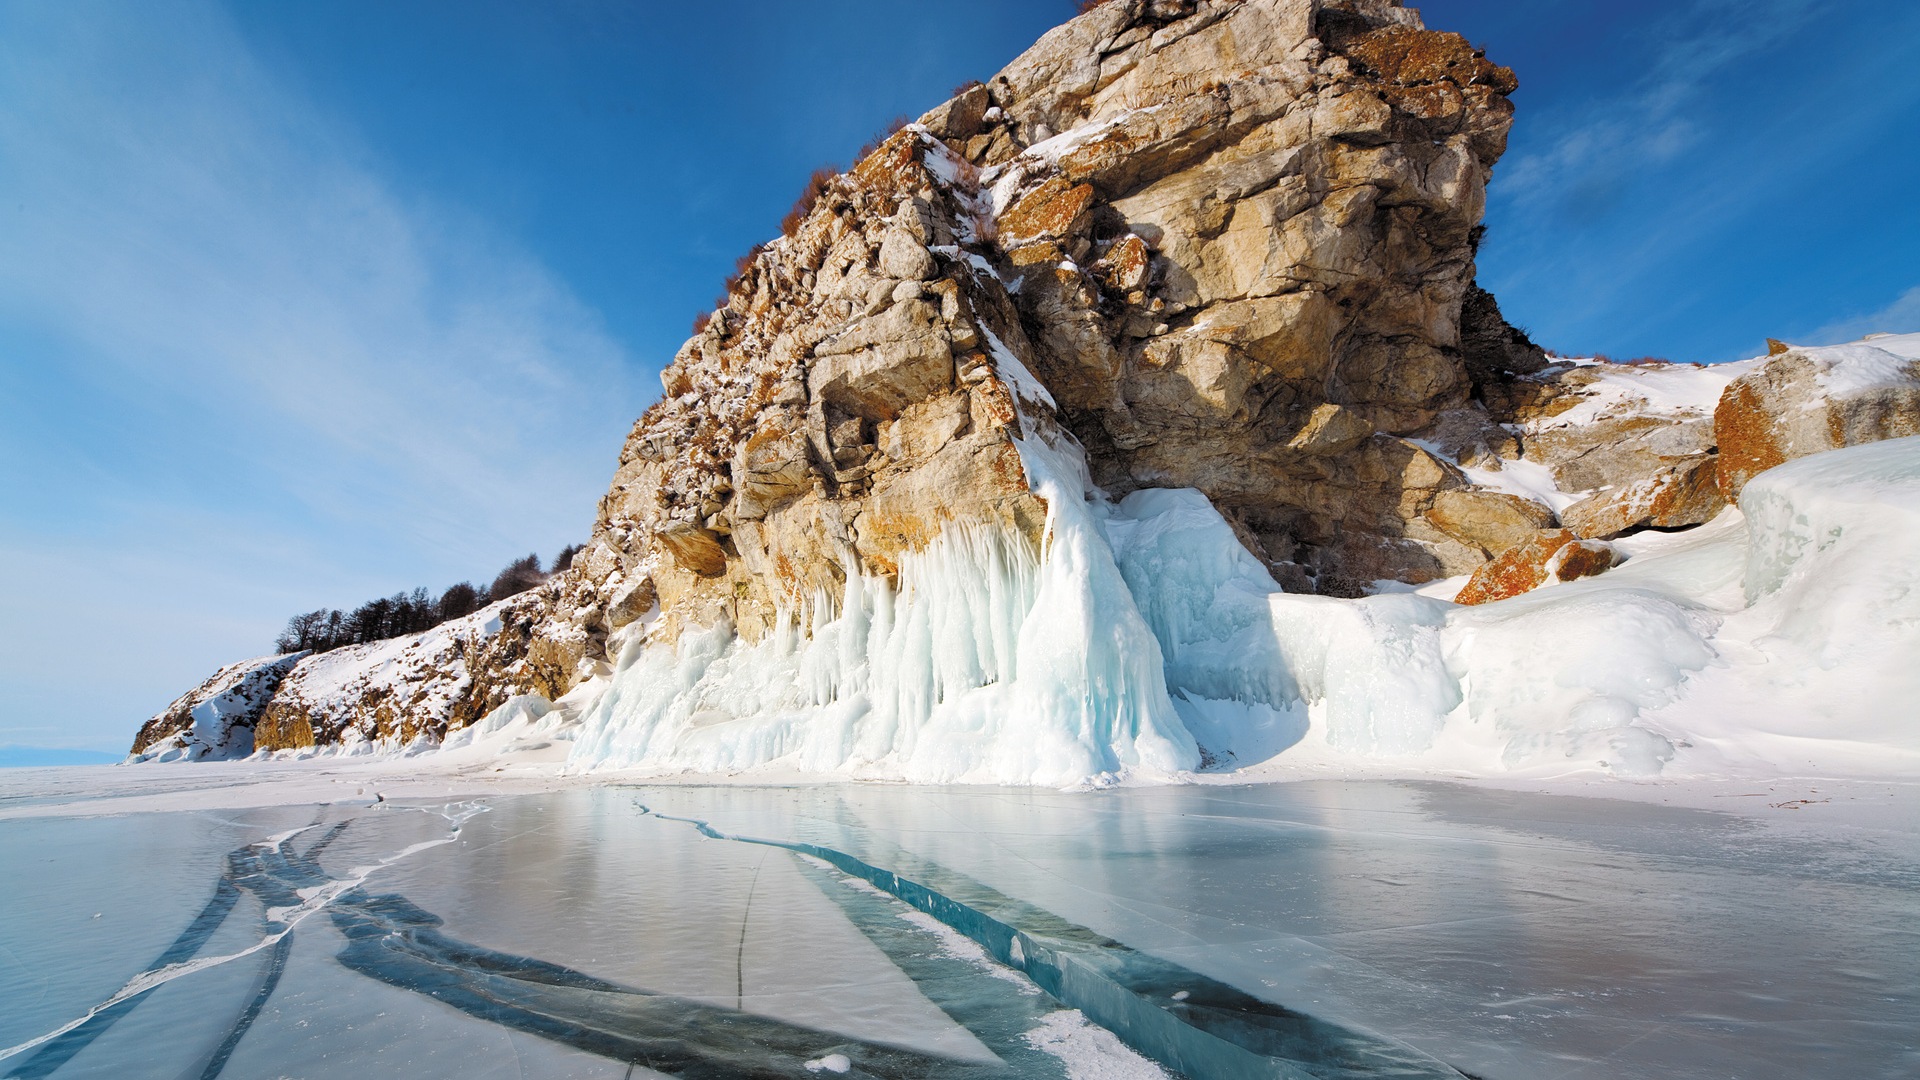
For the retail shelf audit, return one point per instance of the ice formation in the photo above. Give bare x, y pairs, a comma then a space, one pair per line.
989, 663
1144, 640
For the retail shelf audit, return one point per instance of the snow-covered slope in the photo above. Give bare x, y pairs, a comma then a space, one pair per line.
214, 721
386, 695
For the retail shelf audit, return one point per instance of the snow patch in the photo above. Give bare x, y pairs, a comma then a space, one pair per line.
1089, 1051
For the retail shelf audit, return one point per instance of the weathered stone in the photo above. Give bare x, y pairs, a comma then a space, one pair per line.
628, 602
1675, 496
884, 363
1054, 209
695, 549
1802, 402
1330, 430
903, 257
961, 117
1618, 451
1491, 521
1550, 555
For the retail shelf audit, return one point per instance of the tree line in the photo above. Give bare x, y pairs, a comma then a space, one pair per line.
406, 613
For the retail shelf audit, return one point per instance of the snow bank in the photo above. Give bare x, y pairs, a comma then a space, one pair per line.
1861, 366
1144, 640
214, 721
1819, 666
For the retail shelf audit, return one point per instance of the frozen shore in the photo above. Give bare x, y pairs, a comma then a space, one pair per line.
1569, 926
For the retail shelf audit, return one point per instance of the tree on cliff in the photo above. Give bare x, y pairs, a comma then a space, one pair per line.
412, 613
520, 575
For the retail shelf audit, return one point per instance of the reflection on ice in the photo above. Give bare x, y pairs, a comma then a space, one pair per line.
1306, 930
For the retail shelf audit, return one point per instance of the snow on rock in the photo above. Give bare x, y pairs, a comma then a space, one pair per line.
407, 690
1616, 447
1804, 401
989, 662
1547, 556
214, 721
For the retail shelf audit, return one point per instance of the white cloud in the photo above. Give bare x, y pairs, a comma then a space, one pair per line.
1900, 317
278, 359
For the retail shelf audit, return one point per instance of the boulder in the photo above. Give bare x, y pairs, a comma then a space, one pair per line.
1805, 401
1675, 496
1491, 521
1548, 556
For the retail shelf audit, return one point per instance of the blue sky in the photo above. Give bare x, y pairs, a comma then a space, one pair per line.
302, 304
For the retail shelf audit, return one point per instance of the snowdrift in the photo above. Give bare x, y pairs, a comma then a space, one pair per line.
1143, 640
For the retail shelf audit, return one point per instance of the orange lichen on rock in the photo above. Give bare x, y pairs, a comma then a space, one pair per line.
1749, 444
1549, 555
1052, 209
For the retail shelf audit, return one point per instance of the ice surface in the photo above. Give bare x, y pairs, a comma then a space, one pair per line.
1508, 934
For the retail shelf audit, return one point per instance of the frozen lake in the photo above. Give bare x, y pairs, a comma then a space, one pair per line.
1308, 929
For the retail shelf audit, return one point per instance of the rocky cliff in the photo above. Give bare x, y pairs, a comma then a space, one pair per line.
1224, 245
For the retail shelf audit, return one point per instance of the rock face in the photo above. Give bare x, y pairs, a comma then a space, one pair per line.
1245, 232
1546, 556
1225, 245
215, 720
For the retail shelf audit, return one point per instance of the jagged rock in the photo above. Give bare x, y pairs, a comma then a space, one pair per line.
215, 720
1493, 349
1804, 401
1299, 202
1551, 555
962, 117
1675, 496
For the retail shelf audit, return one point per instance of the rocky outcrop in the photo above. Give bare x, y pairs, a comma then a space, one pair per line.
1225, 245
215, 720
1804, 401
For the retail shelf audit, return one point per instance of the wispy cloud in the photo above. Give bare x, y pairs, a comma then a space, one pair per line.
1646, 124
294, 364
1900, 317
